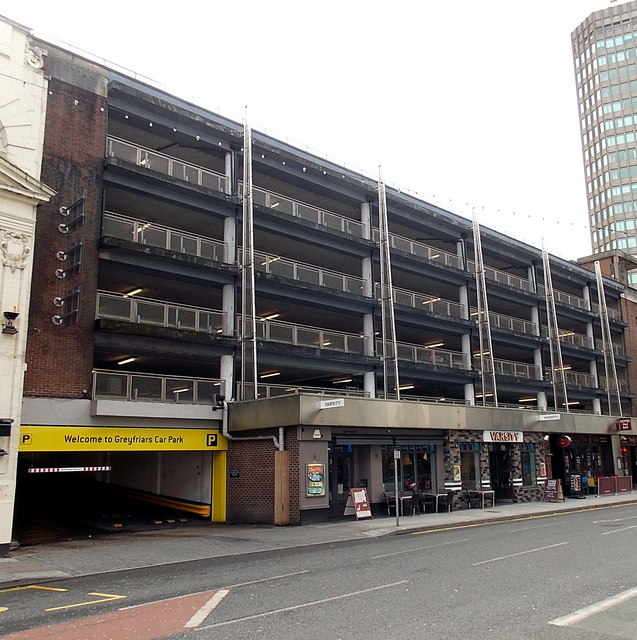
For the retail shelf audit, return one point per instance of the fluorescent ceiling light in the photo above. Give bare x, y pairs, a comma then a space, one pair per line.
270, 375
181, 390
271, 316
527, 399
126, 361
134, 292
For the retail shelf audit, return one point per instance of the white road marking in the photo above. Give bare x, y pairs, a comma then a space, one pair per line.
240, 584
614, 520
431, 546
591, 610
540, 526
283, 575
205, 611
513, 555
632, 526
301, 606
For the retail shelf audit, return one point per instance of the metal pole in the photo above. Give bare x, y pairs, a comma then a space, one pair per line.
396, 461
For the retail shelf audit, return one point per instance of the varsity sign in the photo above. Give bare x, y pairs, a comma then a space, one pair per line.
502, 436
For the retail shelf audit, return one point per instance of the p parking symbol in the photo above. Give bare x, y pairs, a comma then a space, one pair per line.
26, 439
211, 439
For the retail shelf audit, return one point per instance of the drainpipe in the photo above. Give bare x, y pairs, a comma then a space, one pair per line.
224, 407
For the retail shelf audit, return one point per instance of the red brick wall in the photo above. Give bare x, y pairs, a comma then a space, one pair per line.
250, 497
60, 358
629, 315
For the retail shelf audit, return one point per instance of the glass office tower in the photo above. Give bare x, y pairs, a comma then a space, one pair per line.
605, 57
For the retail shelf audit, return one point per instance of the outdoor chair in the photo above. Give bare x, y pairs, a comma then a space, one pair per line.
446, 502
415, 504
390, 504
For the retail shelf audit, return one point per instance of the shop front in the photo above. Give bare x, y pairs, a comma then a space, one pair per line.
629, 456
370, 462
580, 460
506, 465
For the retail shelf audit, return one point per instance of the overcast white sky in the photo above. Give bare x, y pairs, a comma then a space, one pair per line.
468, 104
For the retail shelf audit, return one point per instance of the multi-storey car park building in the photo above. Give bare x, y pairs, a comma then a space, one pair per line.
136, 363
605, 57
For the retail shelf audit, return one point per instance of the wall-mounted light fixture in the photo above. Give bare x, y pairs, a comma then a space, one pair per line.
7, 324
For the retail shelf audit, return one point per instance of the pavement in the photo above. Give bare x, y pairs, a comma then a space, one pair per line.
123, 551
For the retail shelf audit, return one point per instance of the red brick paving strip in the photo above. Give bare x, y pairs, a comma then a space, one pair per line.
145, 622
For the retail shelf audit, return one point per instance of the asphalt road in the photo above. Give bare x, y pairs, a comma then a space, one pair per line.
570, 576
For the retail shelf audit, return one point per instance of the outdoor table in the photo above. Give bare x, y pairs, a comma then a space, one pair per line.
482, 493
435, 497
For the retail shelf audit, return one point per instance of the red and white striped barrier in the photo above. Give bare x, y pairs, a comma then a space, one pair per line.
65, 469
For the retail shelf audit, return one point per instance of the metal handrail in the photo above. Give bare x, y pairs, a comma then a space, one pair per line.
144, 387
516, 369
425, 355
311, 274
420, 249
153, 160
426, 302
305, 336
157, 235
509, 322
273, 390
147, 311
502, 277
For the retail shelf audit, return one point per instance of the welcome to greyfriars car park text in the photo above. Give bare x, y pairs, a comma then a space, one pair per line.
129, 440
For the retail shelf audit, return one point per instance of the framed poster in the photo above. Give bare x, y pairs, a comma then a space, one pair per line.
315, 479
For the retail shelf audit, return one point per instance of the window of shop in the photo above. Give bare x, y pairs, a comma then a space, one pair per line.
584, 459
528, 464
470, 465
416, 468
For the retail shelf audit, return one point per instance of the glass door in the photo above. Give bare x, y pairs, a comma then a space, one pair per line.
340, 460
501, 474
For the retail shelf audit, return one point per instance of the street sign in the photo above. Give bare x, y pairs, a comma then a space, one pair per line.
549, 416
332, 404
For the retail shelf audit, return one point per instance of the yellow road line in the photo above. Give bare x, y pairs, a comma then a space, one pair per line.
31, 586
106, 597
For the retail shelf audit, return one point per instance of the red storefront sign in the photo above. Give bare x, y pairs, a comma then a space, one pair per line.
622, 424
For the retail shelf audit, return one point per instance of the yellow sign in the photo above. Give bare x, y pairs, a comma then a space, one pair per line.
119, 439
